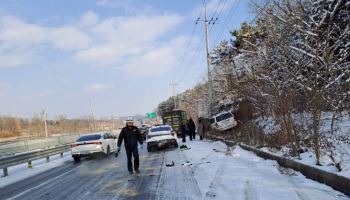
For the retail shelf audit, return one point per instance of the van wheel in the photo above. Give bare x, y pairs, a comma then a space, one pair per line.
108, 151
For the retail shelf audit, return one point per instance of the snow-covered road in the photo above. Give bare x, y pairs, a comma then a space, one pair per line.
238, 174
209, 170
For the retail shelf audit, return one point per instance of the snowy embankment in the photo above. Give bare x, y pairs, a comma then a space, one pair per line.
338, 141
21, 172
225, 173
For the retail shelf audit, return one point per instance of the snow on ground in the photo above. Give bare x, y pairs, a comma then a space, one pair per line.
224, 173
267, 124
21, 172
340, 139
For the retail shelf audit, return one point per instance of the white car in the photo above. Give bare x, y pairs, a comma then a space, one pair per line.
160, 137
223, 121
94, 143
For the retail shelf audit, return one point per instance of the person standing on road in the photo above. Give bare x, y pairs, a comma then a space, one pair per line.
200, 128
192, 129
131, 135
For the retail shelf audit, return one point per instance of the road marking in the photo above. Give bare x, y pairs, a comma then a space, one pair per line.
33, 188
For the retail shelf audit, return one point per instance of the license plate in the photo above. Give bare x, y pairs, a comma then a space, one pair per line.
160, 144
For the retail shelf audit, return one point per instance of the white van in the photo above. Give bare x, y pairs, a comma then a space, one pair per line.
223, 121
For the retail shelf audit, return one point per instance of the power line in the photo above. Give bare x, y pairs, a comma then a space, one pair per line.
223, 29
187, 47
227, 20
222, 8
189, 42
212, 24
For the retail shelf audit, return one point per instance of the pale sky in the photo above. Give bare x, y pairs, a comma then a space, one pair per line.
121, 54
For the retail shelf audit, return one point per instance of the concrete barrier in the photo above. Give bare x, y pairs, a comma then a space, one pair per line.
335, 181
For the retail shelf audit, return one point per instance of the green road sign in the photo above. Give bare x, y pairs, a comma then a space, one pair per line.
151, 115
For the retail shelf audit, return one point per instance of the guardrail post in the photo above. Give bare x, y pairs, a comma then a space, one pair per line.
30, 165
61, 155
48, 159
6, 173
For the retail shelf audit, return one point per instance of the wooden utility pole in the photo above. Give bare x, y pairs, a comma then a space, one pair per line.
210, 85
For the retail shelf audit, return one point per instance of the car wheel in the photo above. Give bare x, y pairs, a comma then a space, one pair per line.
149, 149
76, 159
176, 145
108, 151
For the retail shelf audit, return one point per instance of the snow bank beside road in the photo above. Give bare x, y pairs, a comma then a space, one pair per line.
238, 174
337, 141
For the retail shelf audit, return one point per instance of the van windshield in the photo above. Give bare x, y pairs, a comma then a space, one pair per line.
223, 117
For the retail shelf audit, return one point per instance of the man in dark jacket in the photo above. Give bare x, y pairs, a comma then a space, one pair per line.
184, 131
131, 136
192, 129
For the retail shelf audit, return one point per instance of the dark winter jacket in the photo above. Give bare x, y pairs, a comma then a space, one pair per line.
130, 137
191, 126
183, 129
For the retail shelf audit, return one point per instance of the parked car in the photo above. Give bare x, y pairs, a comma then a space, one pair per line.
223, 121
160, 137
94, 143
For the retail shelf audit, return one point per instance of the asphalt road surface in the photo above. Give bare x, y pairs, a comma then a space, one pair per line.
209, 170
108, 178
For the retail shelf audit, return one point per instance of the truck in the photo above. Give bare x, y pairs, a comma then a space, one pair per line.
175, 119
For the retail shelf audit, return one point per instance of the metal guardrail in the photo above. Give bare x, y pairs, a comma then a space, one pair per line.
37, 143
31, 156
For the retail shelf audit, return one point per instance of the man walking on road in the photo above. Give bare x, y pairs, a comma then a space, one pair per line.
192, 129
131, 136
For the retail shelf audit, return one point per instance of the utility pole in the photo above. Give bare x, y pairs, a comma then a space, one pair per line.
173, 85
206, 24
92, 114
44, 119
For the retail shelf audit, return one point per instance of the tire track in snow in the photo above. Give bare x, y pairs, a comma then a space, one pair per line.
178, 182
298, 190
250, 192
217, 179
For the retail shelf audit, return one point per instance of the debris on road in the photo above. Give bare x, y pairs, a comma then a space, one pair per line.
153, 174
170, 165
187, 163
184, 147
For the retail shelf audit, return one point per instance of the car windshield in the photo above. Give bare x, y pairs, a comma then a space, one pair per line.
161, 128
223, 117
89, 138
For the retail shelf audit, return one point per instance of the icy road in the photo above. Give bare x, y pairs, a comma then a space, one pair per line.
209, 170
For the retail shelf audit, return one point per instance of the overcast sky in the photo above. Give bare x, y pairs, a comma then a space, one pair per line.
121, 54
